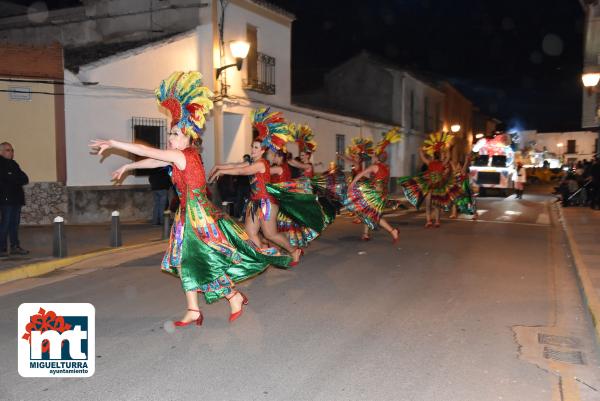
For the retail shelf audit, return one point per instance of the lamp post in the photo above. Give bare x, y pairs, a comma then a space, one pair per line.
455, 128
590, 81
239, 50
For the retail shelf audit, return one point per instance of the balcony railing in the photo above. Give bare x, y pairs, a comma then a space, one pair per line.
264, 79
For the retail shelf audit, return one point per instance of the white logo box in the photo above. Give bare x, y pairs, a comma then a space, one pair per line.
78, 363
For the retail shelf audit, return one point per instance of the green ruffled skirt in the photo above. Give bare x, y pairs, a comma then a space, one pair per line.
301, 218
210, 252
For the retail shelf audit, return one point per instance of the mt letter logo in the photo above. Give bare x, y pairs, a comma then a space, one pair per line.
56, 340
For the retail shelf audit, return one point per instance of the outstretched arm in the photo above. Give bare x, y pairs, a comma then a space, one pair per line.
226, 166
144, 163
446, 157
171, 156
466, 165
300, 165
276, 170
424, 158
373, 169
246, 170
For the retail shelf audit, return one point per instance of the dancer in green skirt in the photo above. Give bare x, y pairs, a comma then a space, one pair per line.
207, 249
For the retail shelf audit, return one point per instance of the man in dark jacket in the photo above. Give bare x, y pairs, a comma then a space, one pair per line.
160, 182
12, 199
595, 178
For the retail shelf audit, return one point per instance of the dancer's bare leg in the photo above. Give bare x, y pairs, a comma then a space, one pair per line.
269, 230
428, 208
253, 227
437, 215
365, 235
192, 303
387, 227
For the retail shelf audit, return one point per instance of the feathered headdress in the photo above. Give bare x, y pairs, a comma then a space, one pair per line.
271, 128
361, 147
304, 137
392, 136
436, 142
186, 100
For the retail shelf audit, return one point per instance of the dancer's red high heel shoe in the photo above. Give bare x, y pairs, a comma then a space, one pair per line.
292, 264
198, 321
237, 314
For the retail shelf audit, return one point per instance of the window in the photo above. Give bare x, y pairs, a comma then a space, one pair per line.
340, 148
260, 67
252, 58
571, 146
412, 109
596, 150
151, 132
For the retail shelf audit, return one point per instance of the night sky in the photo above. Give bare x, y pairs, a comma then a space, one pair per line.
517, 60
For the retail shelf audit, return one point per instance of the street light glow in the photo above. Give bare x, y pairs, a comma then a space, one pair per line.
239, 48
560, 145
590, 79
455, 128
479, 136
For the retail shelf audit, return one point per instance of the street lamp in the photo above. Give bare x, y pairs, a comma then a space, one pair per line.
455, 128
239, 50
479, 136
590, 81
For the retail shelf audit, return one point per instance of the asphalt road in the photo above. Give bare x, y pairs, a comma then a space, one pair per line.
455, 313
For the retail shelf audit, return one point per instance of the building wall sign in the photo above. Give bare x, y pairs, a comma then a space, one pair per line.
19, 93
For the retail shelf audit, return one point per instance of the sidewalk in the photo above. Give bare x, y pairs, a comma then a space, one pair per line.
582, 226
81, 239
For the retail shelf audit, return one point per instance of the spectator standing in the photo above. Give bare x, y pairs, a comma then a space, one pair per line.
12, 199
160, 182
595, 179
520, 178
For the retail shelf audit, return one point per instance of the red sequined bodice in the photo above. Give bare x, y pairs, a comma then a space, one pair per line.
310, 172
436, 166
383, 172
259, 181
285, 176
192, 177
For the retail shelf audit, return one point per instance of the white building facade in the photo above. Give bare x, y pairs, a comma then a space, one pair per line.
113, 97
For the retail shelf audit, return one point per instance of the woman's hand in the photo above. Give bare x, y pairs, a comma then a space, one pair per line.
100, 145
214, 176
117, 174
214, 169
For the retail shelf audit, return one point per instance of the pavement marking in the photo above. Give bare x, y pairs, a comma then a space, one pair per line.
543, 218
478, 220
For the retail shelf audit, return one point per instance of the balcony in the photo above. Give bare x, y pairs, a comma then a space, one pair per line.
261, 74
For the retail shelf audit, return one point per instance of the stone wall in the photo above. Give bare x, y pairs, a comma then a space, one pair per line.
44, 201
78, 205
95, 204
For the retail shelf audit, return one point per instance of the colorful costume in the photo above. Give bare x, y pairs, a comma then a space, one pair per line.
369, 198
300, 215
207, 249
464, 198
435, 181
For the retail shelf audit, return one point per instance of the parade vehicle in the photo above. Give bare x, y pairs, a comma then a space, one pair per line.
494, 164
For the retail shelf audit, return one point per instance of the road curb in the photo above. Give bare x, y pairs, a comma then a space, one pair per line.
590, 297
41, 268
